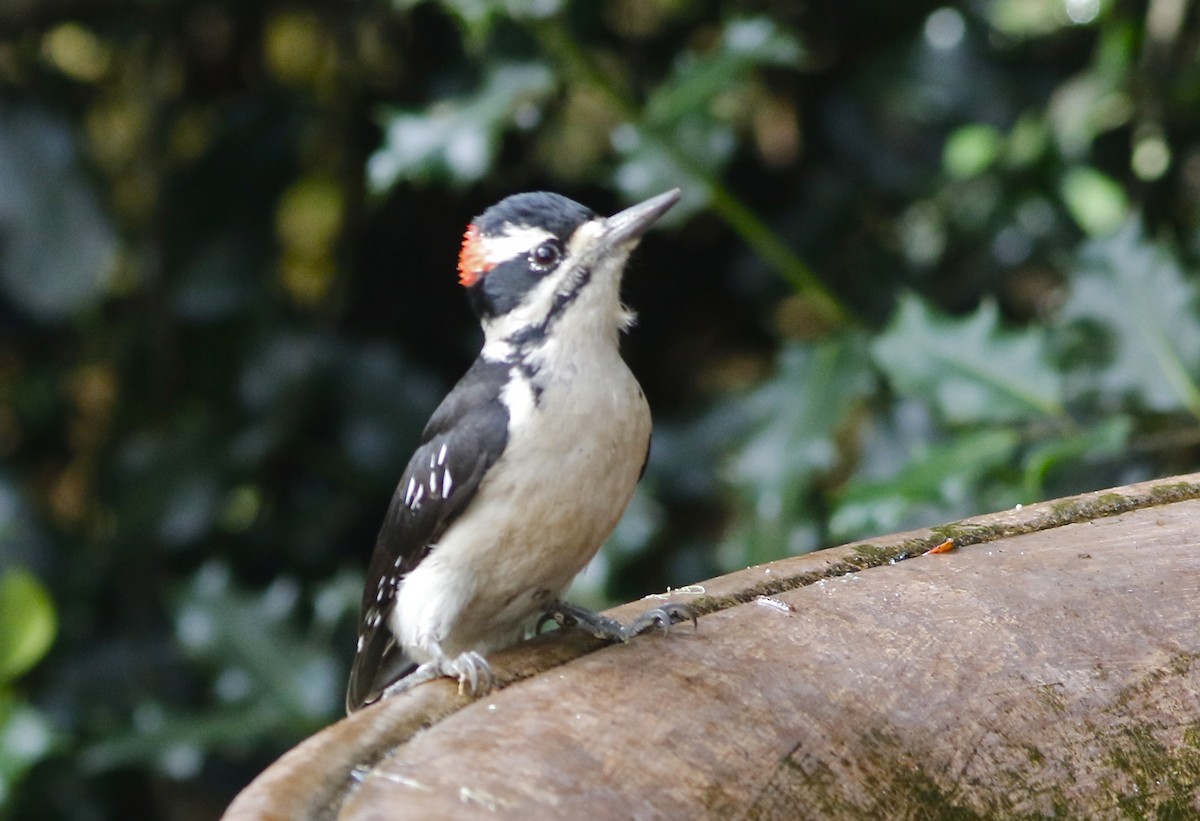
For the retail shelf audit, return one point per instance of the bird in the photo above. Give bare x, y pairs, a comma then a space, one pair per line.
528, 463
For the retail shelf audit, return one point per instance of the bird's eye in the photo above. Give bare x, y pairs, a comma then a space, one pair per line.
546, 255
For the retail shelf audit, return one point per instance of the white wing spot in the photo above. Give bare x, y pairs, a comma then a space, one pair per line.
432, 482
416, 502
447, 483
412, 485
432, 460
442, 455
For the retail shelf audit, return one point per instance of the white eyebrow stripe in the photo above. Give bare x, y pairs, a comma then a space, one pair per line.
515, 242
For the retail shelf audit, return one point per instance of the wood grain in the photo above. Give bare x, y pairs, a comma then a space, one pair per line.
1049, 665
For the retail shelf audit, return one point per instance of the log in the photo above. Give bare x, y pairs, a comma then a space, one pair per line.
1049, 665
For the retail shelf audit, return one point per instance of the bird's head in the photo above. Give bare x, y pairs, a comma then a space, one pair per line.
535, 261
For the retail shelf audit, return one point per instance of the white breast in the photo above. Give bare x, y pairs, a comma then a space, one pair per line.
574, 454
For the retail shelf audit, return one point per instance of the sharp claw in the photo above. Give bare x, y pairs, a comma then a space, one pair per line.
603, 627
568, 615
663, 616
488, 679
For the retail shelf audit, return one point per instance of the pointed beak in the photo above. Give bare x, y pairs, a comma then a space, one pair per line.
629, 225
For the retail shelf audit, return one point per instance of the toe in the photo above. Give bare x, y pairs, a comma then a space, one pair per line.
662, 616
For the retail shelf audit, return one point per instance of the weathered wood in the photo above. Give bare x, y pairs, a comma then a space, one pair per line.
1048, 666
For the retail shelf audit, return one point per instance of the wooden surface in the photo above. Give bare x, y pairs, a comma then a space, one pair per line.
1048, 666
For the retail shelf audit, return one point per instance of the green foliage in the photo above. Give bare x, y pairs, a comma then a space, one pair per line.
270, 672
932, 260
27, 627
1134, 296
27, 623
58, 245
26, 737
794, 421
969, 369
685, 133
1096, 202
456, 139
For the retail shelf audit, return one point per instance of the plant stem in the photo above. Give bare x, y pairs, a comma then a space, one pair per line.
765, 242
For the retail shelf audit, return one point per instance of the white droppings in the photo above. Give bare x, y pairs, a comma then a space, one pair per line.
775, 604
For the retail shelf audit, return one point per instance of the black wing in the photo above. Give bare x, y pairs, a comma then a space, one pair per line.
464, 437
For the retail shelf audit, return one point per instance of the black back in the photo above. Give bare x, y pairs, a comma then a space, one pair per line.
464, 437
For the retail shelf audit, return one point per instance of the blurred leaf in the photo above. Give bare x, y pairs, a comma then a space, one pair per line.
1134, 292
386, 403
27, 622
216, 621
683, 138
26, 737
795, 419
937, 483
272, 675
971, 369
477, 17
1026, 18
1096, 202
56, 246
456, 139
971, 150
698, 80
1107, 438
176, 744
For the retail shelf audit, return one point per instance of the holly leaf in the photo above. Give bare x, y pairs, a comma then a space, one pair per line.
457, 138
971, 369
937, 483
687, 133
794, 421
1134, 294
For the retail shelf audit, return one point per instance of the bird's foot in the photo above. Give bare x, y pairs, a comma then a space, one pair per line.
663, 616
603, 627
471, 669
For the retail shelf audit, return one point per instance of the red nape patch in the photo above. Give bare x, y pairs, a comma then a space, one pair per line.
472, 264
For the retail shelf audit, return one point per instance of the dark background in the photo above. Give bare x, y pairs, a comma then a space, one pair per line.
931, 261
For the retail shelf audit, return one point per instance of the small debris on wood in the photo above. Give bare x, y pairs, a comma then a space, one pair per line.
775, 604
689, 590
944, 547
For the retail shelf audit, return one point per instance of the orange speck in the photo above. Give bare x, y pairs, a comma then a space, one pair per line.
944, 547
472, 264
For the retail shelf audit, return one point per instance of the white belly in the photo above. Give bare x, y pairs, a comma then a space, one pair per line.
572, 462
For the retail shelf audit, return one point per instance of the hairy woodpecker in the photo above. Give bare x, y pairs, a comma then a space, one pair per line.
528, 463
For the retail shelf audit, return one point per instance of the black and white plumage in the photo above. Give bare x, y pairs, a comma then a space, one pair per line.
528, 463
